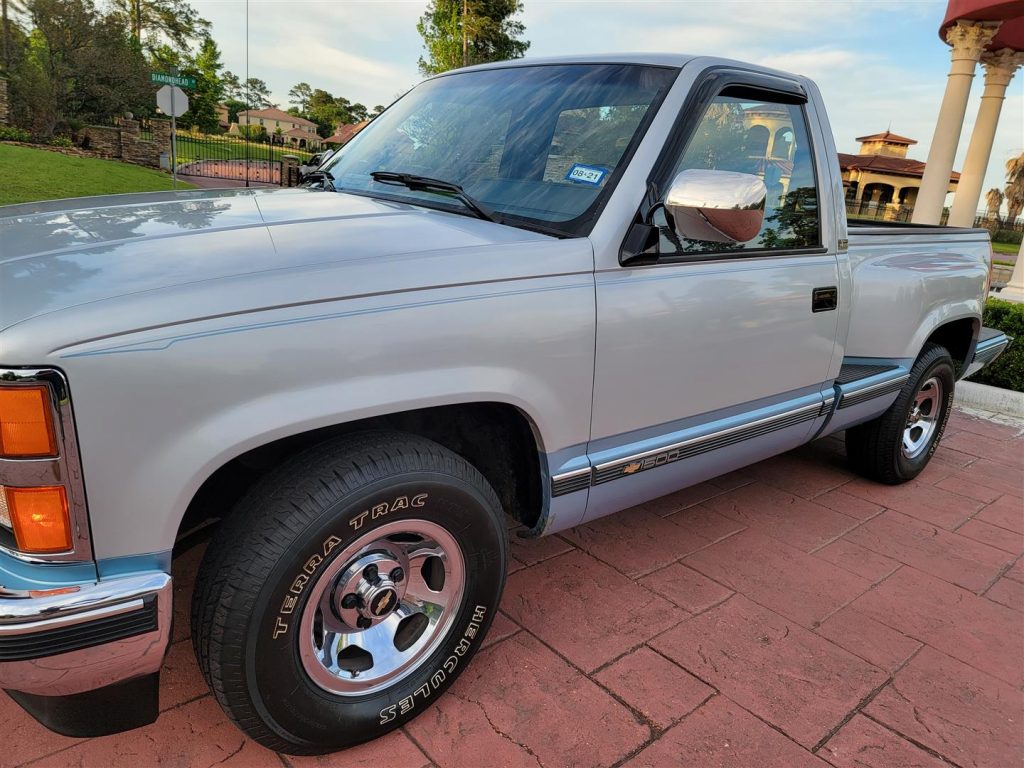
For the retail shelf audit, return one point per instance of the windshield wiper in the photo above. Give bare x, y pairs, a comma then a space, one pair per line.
427, 184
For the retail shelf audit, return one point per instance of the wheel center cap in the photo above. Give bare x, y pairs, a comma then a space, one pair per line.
381, 601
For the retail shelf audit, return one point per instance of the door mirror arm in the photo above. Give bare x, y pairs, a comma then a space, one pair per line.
640, 245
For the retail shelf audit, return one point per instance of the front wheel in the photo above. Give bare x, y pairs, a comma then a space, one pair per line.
348, 590
896, 446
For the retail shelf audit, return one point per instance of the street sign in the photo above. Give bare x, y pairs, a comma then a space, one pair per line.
172, 101
167, 79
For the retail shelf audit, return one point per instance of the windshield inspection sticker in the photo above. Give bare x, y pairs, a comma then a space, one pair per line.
586, 174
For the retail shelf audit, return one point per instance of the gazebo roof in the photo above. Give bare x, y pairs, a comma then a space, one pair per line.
889, 137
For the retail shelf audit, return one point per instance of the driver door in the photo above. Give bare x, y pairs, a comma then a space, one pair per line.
711, 356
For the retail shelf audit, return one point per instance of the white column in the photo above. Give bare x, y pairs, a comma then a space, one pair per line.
1014, 290
968, 39
999, 68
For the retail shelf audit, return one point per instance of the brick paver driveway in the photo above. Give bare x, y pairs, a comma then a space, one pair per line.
788, 615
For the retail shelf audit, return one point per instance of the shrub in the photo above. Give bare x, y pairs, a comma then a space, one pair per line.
1008, 370
14, 134
1007, 236
61, 141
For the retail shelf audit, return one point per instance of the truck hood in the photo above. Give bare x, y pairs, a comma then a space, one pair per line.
60, 255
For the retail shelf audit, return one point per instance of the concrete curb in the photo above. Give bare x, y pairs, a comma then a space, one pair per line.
983, 397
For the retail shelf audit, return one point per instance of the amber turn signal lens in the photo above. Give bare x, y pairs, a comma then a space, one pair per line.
40, 519
26, 423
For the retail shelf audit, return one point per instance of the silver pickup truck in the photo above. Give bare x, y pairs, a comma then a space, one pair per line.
541, 290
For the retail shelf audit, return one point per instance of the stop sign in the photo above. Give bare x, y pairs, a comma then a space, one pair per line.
172, 101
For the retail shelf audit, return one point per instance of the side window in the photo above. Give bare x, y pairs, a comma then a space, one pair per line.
770, 141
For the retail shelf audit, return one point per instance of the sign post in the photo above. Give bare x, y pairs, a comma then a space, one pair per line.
172, 101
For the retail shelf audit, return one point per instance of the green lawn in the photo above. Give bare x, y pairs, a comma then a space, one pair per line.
27, 175
1010, 248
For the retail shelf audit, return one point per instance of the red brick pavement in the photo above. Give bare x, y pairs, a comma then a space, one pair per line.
785, 615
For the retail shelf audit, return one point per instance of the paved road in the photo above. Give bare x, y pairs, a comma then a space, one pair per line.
784, 615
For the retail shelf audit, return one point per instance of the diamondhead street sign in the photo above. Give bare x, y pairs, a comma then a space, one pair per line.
167, 79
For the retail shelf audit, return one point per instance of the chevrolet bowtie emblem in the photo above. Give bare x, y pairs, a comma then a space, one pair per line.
629, 469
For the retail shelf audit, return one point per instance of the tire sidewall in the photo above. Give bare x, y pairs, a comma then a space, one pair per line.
281, 690
941, 368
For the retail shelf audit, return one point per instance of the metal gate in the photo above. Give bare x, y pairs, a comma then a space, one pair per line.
233, 158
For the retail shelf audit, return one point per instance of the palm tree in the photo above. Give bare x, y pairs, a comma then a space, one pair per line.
1014, 187
994, 199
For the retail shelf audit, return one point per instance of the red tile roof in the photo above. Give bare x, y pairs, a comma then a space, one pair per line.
888, 136
896, 166
299, 133
345, 133
272, 113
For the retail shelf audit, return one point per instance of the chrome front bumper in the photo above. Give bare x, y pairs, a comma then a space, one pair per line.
97, 635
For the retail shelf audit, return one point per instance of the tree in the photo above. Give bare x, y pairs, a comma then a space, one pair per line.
322, 109
7, 9
256, 94
457, 33
234, 107
1014, 187
300, 96
209, 90
232, 85
79, 65
173, 20
994, 200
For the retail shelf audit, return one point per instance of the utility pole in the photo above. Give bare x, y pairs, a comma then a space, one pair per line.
465, 36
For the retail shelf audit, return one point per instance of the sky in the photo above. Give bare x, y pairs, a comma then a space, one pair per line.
878, 64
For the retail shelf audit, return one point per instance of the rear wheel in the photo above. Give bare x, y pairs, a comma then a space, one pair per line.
348, 590
896, 446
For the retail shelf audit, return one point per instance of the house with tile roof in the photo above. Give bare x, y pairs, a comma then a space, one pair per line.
283, 127
344, 133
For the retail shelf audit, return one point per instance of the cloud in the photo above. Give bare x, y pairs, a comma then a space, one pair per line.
877, 62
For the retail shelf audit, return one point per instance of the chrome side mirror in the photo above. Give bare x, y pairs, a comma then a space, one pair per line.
720, 206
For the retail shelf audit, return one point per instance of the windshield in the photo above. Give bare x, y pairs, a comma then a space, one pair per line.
536, 144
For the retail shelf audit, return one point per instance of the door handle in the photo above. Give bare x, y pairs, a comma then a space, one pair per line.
824, 299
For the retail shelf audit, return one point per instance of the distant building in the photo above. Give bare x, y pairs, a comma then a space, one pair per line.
344, 133
223, 116
282, 127
881, 179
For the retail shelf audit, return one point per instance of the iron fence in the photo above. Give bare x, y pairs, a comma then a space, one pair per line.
233, 157
880, 211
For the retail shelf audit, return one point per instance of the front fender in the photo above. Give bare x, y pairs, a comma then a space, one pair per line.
160, 411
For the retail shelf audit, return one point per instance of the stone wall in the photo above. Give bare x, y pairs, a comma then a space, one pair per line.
124, 141
5, 104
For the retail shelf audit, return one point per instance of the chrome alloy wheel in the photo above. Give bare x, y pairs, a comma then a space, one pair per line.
381, 607
923, 419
